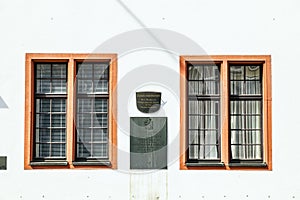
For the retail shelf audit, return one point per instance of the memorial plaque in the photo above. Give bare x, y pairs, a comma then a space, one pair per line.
148, 102
3, 161
148, 143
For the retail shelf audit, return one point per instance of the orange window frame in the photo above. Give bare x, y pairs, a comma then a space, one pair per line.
71, 59
224, 61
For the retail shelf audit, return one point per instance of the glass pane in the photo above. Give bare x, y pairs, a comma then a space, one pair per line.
211, 152
84, 120
253, 87
59, 71
101, 71
42, 135
193, 152
59, 86
196, 72
237, 137
237, 72
58, 150
58, 135
100, 135
85, 70
211, 122
211, 137
237, 107
84, 135
43, 120
238, 152
194, 137
101, 86
211, 72
84, 105
100, 150
237, 122
83, 150
196, 87
211, 87
100, 120
101, 105
252, 72
211, 107
237, 87
43, 70
58, 120
42, 86
196, 122
85, 86
253, 107
58, 105
253, 122
43, 150
42, 105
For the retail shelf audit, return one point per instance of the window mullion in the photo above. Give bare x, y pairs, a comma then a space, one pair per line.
70, 132
224, 69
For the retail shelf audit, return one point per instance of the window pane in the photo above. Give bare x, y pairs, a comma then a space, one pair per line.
43, 86
58, 135
85, 86
43, 70
43, 150
58, 150
196, 72
101, 105
100, 150
253, 72
84, 105
59, 86
59, 71
84, 135
211, 87
237, 72
101, 71
193, 152
84, 120
58, 105
100, 120
211, 72
100, 135
43, 120
100, 86
237, 107
43, 105
253, 87
85, 70
58, 120
83, 150
42, 135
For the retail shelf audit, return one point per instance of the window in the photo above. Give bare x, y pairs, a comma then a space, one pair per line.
70, 111
225, 112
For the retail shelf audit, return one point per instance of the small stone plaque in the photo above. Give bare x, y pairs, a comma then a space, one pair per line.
148, 142
148, 102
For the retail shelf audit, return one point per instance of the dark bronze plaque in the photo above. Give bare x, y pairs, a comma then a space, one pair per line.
148, 102
148, 142
3, 162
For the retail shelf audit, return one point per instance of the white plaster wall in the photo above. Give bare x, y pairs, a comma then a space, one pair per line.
219, 27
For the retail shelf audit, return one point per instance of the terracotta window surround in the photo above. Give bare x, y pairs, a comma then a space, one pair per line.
70, 160
224, 62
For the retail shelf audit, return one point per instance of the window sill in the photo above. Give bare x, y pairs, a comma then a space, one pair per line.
205, 164
249, 164
49, 163
92, 163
